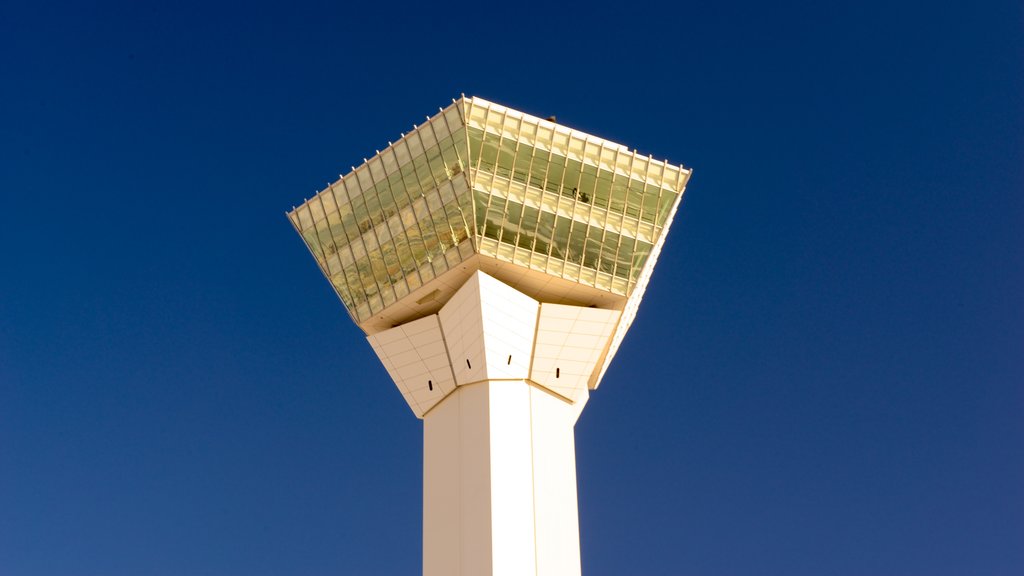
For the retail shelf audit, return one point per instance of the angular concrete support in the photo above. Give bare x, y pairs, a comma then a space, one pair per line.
499, 380
499, 483
489, 331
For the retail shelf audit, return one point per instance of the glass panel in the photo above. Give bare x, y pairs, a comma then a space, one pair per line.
506, 158
561, 142
409, 178
608, 246
650, 208
388, 207
327, 198
480, 204
476, 140
361, 181
603, 189
401, 151
555, 172
543, 134
667, 197
388, 161
561, 239
577, 237
592, 252
495, 218
571, 181
392, 268
634, 198
545, 232
439, 264
313, 242
489, 153
511, 123
587, 182
539, 170
373, 208
513, 217
528, 228
451, 160
360, 214
438, 172
617, 202
423, 179
522, 164
640, 254
426, 134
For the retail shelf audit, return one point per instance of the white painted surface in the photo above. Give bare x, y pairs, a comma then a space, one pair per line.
489, 331
499, 483
512, 474
474, 512
462, 322
442, 496
570, 341
415, 357
509, 322
555, 502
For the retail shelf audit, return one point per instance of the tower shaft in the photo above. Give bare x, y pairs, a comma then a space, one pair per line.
499, 483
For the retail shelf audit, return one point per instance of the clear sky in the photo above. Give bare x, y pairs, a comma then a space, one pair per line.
825, 378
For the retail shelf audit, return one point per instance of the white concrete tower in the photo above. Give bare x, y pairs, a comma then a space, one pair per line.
495, 261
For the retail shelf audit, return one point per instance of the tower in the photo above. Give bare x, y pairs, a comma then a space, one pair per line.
495, 261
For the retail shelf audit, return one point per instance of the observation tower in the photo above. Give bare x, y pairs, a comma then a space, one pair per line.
495, 261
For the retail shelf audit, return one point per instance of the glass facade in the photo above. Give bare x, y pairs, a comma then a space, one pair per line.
482, 178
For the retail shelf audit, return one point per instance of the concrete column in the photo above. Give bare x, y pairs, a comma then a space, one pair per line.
499, 482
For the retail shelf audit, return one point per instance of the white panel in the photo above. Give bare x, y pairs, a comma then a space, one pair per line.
554, 484
475, 493
462, 323
570, 341
415, 357
441, 489
511, 479
509, 323
499, 483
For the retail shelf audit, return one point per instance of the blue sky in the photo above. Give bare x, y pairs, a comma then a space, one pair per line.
825, 377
